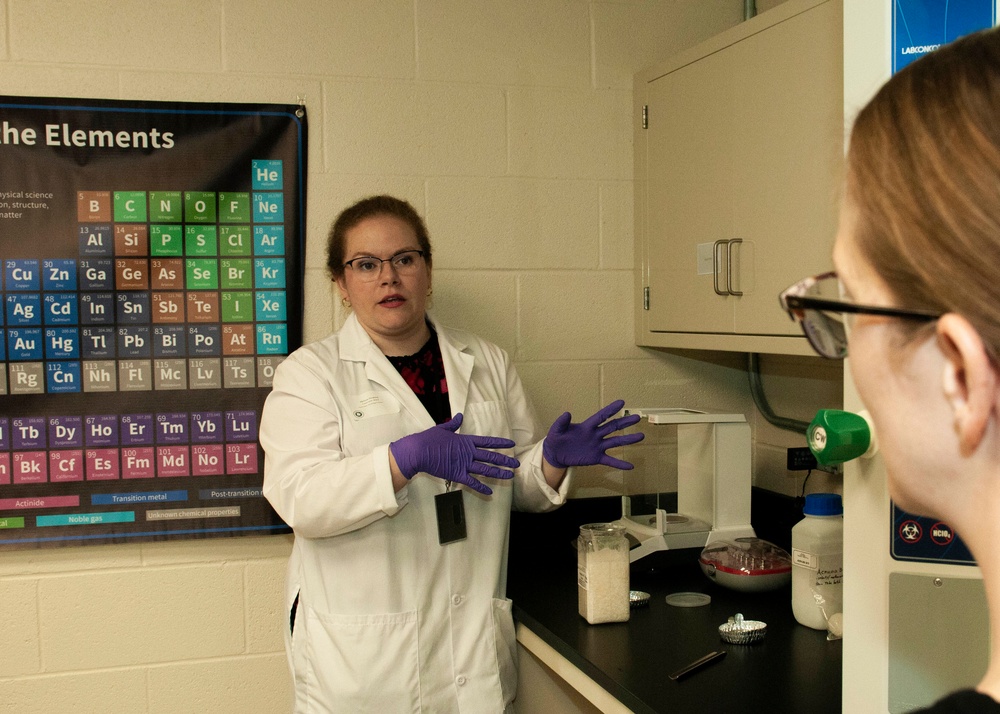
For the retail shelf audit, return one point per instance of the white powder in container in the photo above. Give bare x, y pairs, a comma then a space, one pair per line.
603, 585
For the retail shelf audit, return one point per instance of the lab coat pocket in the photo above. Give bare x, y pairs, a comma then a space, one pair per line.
505, 641
486, 419
363, 663
371, 419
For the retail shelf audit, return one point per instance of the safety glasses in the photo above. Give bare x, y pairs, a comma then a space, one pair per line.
816, 304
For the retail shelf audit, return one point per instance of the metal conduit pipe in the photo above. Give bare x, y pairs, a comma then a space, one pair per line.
760, 401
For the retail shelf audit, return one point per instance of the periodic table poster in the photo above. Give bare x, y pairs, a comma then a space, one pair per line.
151, 282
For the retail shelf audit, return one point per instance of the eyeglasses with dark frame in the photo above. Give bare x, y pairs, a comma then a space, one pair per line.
368, 267
821, 317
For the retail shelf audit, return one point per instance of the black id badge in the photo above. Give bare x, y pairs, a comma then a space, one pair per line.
450, 516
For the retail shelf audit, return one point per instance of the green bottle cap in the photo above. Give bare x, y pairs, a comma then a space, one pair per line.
837, 436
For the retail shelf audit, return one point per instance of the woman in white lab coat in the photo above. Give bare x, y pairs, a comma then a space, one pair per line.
917, 255
396, 583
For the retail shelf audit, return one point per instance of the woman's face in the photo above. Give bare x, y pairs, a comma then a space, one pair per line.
391, 307
900, 382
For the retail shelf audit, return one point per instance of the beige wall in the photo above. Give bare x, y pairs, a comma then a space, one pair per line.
507, 123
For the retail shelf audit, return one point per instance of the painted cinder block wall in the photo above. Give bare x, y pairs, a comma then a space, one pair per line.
508, 124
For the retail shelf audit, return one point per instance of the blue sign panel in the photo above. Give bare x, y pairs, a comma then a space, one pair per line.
929, 540
921, 26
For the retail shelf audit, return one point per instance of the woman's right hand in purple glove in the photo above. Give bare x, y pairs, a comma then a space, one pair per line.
441, 452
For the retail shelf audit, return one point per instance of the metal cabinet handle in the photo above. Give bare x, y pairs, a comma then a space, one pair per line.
715, 267
729, 267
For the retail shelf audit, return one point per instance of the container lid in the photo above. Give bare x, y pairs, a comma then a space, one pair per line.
688, 599
823, 504
599, 530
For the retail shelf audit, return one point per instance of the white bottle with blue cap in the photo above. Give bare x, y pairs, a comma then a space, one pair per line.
818, 561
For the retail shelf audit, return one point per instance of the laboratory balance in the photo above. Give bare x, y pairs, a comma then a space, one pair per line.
713, 484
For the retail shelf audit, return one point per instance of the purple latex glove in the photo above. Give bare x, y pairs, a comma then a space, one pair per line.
584, 444
440, 452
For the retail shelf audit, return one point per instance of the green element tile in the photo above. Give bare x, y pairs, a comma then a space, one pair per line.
166, 207
201, 274
166, 241
201, 240
199, 206
130, 206
235, 240
234, 208
236, 274
237, 307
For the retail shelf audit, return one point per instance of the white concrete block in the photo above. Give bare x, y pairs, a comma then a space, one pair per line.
240, 88
19, 625
655, 472
482, 302
563, 133
121, 691
48, 81
4, 48
349, 38
329, 194
655, 467
416, 129
321, 302
575, 315
514, 223
225, 87
217, 550
617, 234
525, 42
267, 618
176, 35
34, 561
557, 387
130, 617
229, 686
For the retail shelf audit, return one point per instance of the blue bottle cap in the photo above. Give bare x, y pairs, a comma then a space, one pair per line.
823, 504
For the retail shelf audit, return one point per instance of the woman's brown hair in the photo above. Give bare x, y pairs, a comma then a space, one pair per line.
369, 208
924, 175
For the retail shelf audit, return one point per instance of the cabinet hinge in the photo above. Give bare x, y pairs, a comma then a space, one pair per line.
645, 298
645, 116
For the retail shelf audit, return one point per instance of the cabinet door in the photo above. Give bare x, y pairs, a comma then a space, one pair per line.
789, 119
689, 195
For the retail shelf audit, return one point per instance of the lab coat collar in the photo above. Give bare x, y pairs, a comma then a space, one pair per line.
357, 346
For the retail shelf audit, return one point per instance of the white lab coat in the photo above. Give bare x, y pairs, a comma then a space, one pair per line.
389, 620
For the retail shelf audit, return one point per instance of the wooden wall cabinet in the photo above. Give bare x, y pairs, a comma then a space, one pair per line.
738, 165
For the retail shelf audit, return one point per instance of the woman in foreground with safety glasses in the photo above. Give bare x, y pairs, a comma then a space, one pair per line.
918, 258
380, 441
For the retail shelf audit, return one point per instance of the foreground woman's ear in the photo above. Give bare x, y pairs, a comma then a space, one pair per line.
969, 379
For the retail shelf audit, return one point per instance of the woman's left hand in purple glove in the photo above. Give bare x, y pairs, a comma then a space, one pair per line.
585, 444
